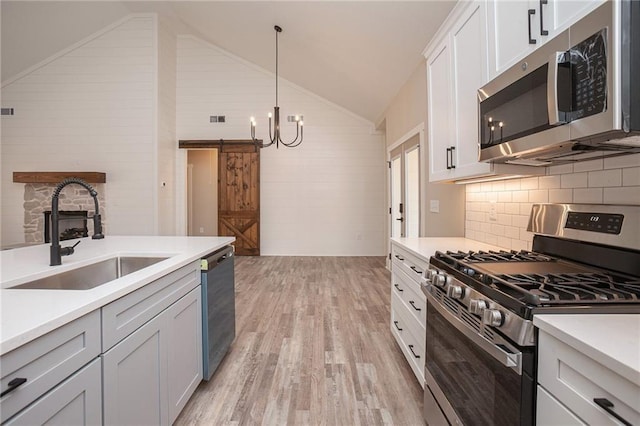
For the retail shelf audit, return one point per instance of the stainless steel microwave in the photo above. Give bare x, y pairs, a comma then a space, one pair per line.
575, 98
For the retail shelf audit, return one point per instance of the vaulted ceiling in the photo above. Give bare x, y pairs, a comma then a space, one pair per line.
357, 54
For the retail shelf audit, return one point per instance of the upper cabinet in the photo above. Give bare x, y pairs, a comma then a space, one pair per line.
515, 28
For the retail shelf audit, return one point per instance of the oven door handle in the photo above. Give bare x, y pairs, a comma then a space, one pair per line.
512, 360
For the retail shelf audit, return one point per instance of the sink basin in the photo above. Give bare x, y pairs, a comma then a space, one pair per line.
93, 275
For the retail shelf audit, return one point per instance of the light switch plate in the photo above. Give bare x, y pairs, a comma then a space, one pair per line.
493, 213
434, 206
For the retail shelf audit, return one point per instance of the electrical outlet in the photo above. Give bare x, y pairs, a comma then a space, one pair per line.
434, 206
493, 212
202, 230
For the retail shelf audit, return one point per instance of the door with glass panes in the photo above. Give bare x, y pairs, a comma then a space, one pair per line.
405, 189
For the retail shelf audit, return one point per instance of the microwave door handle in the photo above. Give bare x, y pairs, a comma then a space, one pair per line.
512, 360
552, 89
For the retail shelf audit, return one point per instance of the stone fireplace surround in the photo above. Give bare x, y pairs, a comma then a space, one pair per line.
37, 199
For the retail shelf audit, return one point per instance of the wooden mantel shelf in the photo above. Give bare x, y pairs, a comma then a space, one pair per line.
57, 177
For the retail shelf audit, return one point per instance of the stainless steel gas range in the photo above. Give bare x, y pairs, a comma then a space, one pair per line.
480, 340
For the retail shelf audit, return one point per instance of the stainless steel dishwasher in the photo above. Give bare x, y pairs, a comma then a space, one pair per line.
218, 308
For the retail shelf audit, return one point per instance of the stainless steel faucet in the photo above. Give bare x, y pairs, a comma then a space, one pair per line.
56, 251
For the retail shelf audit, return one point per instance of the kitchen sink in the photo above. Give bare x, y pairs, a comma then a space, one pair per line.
94, 275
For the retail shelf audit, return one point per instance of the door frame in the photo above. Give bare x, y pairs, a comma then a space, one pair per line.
416, 131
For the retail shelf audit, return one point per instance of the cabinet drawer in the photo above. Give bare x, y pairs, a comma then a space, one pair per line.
407, 333
47, 360
123, 316
550, 412
411, 294
575, 380
407, 263
76, 401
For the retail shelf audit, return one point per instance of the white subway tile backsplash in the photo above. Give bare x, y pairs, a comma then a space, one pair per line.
529, 183
497, 229
548, 182
560, 170
512, 232
587, 195
560, 195
504, 242
602, 178
520, 196
497, 186
504, 197
587, 166
622, 161
512, 184
622, 195
631, 176
512, 208
520, 221
539, 196
574, 180
525, 209
504, 219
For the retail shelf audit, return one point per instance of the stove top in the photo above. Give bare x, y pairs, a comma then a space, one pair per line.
538, 279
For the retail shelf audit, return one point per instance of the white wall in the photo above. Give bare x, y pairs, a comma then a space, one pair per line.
90, 108
326, 197
609, 181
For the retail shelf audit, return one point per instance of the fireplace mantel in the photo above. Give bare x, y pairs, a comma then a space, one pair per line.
57, 177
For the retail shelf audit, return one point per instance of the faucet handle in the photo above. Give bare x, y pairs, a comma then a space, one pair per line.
66, 251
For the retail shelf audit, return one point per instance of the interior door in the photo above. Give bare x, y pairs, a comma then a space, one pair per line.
239, 196
405, 189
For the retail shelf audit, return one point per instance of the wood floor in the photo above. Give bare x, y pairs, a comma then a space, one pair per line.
312, 346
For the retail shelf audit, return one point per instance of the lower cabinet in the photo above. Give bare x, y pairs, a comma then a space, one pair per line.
75, 401
150, 375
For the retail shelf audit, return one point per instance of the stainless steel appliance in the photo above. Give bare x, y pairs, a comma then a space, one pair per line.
218, 308
575, 98
480, 338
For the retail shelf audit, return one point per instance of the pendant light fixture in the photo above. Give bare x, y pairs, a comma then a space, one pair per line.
275, 137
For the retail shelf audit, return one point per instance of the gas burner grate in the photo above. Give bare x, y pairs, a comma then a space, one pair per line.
567, 288
494, 256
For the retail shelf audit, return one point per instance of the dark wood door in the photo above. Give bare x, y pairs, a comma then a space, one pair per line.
239, 196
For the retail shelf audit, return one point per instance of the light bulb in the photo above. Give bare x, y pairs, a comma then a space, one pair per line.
301, 123
500, 124
269, 115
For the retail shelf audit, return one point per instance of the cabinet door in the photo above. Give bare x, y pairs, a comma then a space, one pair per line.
135, 377
76, 401
440, 120
550, 412
469, 74
508, 24
184, 337
559, 14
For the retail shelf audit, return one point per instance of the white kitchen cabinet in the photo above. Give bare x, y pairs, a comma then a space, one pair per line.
576, 381
150, 374
550, 412
46, 361
75, 401
408, 307
184, 363
517, 28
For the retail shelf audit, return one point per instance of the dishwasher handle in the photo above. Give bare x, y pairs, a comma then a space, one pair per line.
213, 259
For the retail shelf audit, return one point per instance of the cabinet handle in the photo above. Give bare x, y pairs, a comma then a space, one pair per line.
448, 165
396, 324
531, 13
607, 406
398, 287
399, 257
13, 385
542, 30
415, 270
414, 306
414, 354
453, 164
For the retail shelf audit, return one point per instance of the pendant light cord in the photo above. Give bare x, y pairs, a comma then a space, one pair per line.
277, 64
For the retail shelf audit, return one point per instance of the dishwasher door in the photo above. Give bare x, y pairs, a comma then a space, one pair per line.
218, 308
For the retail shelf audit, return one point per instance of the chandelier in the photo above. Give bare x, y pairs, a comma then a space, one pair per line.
275, 135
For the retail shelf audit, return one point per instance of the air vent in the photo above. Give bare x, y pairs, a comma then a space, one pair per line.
471, 320
488, 334
217, 119
7, 111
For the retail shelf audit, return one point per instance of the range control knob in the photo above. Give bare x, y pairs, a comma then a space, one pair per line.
440, 280
429, 273
477, 306
492, 317
455, 291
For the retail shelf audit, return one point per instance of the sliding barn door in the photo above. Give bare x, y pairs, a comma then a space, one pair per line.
239, 196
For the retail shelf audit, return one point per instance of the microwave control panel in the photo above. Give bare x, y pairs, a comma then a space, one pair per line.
589, 75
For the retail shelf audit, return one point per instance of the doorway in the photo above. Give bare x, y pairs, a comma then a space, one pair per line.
405, 189
223, 192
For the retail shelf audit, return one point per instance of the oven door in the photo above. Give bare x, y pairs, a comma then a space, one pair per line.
474, 381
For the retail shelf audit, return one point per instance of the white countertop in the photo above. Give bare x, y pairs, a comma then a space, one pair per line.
28, 314
425, 247
613, 340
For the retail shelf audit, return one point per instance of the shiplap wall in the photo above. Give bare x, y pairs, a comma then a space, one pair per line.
326, 197
90, 108
605, 181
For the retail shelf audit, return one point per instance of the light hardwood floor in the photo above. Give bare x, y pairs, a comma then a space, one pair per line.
312, 346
